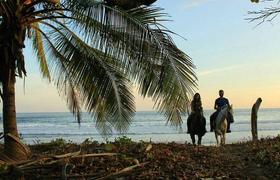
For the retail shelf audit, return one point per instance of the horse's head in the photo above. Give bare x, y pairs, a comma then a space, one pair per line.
224, 109
222, 113
226, 112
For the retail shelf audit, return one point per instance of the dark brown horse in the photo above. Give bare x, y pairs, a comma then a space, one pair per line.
196, 126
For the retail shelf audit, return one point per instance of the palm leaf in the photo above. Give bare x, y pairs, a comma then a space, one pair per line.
39, 50
98, 51
96, 76
64, 84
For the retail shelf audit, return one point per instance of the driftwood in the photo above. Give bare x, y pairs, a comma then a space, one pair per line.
123, 171
95, 155
254, 118
67, 155
95, 175
59, 158
45, 163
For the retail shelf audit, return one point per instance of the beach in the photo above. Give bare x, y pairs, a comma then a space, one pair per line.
125, 159
149, 150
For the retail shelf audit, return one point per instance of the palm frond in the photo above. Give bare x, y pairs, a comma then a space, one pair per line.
73, 101
98, 51
173, 83
100, 84
64, 84
39, 50
173, 79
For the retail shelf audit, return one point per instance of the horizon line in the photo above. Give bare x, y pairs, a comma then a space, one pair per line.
136, 111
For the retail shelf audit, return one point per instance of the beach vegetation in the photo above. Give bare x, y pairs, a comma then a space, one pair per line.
94, 52
59, 142
36, 141
88, 141
123, 140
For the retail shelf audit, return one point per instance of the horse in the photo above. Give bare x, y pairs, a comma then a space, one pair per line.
196, 125
221, 123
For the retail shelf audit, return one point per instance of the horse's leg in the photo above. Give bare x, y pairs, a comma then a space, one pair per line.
224, 131
224, 139
212, 121
188, 123
193, 138
199, 139
217, 138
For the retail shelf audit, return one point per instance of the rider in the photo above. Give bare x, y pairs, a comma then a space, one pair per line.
219, 103
196, 105
196, 108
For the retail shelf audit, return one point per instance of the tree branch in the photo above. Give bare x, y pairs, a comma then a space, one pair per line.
266, 14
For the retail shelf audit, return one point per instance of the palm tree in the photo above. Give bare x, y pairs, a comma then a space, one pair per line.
94, 51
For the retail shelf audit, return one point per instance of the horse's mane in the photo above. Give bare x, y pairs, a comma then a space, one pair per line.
221, 114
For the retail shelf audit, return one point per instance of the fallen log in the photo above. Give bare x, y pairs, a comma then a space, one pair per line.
95, 155
47, 162
67, 155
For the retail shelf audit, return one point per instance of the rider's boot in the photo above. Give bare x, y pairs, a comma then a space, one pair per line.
228, 128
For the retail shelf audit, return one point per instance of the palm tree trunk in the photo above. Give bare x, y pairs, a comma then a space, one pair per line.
13, 148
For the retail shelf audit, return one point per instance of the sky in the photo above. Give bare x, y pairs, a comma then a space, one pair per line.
229, 53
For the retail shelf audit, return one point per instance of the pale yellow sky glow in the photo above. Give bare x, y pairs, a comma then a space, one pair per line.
40, 96
242, 85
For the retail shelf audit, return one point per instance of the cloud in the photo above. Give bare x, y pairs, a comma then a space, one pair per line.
218, 70
194, 3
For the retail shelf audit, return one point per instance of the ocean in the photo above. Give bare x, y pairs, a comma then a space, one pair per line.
146, 126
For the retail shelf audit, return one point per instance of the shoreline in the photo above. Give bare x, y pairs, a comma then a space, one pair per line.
181, 138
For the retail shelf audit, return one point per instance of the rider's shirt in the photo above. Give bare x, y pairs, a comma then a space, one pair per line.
220, 102
196, 106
